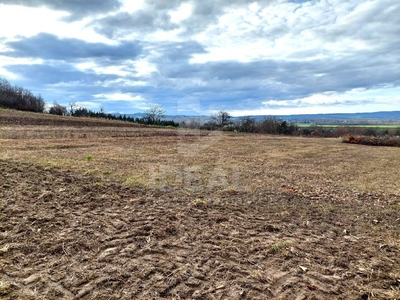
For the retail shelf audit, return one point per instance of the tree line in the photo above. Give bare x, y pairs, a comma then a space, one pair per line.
222, 120
272, 125
16, 97
152, 116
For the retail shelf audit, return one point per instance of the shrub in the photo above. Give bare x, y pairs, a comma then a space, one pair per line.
58, 109
372, 140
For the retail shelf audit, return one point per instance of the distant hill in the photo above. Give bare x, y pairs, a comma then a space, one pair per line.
383, 117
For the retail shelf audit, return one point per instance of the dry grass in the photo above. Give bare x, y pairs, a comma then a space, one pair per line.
15, 117
162, 158
169, 159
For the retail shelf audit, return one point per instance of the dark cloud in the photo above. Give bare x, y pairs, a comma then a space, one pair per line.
60, 72
143, 20
207, 12
366, 26
164, 5
173, 59
154, 15
180, 51
47, 46
274, 79
140, 21
299, 1
77, 8
62, 82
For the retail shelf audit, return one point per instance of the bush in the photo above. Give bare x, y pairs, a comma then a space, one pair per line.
371, 132
58, 109
372, 140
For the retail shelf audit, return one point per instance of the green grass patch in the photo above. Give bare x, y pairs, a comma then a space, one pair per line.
333, 126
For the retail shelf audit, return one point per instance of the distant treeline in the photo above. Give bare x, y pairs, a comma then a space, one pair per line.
223, 121
16, 97
76, 111
272, 125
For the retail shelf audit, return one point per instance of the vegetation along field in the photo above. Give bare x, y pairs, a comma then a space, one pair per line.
106, 211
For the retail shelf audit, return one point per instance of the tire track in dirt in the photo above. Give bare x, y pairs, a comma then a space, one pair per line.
70, 237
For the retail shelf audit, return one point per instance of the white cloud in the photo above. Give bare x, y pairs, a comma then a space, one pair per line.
89, 105
99, 69
182, 13
360, 100
9, 61
111, 70
131, 6
165, 35
79, 30
123, 82
119, 97
7, 74
27, 21
307, 31
144, 67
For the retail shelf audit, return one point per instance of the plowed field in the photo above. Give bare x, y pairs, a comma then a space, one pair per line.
211, 216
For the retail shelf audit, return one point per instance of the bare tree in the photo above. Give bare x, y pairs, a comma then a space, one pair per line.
270, 125
194, 123
221, 119
247, 124
16, 97
154, 113
72, 108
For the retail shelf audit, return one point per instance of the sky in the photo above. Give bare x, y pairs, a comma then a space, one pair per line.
271, 57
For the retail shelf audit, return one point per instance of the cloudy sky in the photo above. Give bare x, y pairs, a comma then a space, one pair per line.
196, 57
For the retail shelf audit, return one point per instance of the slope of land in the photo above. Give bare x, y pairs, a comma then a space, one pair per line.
22, 118
190, 215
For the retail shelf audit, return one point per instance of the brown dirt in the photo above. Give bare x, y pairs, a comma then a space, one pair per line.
159, 213
66, 235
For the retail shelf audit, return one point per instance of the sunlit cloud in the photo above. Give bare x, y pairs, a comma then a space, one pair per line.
118, 97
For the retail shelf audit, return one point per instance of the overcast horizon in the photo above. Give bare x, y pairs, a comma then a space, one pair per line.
275, 57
